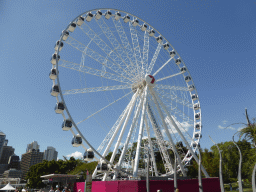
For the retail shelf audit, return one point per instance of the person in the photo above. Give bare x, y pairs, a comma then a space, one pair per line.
230, 185
57, 190
64, 189
51, 190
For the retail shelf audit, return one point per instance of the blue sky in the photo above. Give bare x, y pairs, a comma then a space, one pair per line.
216, 40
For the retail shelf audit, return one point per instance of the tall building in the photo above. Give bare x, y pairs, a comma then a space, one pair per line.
33, 145
2, 142
14, 162
12, 173
30, 158
7, 152
50, 154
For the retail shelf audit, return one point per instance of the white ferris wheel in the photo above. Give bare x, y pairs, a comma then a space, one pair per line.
117, 81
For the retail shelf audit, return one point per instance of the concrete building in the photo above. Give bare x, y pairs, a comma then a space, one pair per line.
7, 152
2, 142
14, 162
30, 158
12, 173
33, 145
50, 154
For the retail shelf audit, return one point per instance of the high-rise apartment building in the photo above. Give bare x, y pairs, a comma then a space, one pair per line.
50, 154
2, 142
7, 152
30, 158
14, 162
33, 145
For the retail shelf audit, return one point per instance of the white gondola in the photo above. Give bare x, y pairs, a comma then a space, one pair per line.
54, 59
76, 140
195, 144
178, 61
197, 116
187, 78
143, 27
98, 15
117, 16
66, 125
166, 46
127, 18
59, 108
53, 74
88, 155
80, 21
135, 22
55, 90
102, 167
108, 14
172, 53
57, 45
65, 35
197, 135
159, 39
191, 87
89, 17
183, 69
196, 106
194, 97
71, 27
151, 33
198, 126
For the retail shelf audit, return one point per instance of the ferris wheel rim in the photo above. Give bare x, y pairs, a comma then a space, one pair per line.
58, 81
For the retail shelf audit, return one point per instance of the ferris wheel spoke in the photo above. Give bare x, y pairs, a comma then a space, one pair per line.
112, 39
170, 76
136, 47
104, 108
145, 51
126, 44
166, 130
152, 63
175, 98
170, 87
96, 89
92, 71
96, 56
179, 132
104, 47
160, 68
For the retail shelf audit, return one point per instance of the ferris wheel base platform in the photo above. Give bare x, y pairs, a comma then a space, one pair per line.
191, 185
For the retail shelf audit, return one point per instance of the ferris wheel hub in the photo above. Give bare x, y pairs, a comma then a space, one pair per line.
150, 80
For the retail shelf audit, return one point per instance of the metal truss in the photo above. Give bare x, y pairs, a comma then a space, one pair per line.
170, 87
92, 71
152, 63
145, 52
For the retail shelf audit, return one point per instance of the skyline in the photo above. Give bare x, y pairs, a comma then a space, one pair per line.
216, 40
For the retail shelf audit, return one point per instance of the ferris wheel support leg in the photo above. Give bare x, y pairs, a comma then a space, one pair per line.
179, 132
129, 135
167, 132
151, 149
135, 170
116, 131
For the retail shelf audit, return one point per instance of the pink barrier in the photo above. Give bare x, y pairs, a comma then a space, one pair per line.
191, 185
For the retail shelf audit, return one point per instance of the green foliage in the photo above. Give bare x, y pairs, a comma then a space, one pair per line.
49, 167
83, 167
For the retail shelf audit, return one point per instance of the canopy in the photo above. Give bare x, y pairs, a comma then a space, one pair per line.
8, 187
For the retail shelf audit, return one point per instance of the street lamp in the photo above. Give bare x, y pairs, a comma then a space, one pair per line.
199, 170
220, 167
253, 179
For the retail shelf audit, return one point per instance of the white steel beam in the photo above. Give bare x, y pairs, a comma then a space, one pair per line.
170, 76
162, 66
152, 63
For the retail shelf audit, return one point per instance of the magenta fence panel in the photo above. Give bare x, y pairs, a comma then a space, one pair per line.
77, 186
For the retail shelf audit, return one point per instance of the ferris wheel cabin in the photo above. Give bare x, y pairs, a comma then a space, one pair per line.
194, 97
183, 69
187, 78
178, 61
191, 87
89, 17
54, 59
55, 90
59, 108
117, 16
72, 27
80, 21
159, 39
172, 53
102, 167
57, 45
53, 74
65, 35
166, 46
144, 27
197, 116
98, 15
108, 14
127, 18
76, 140
196, 106
66, 125
197, 135
198, 126
135, 22
151, 33
88, 155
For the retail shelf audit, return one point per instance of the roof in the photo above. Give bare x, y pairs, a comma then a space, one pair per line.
50, 176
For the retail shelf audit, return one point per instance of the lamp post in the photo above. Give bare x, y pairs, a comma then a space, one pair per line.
253, 179
220, 167
240, 165
199, 171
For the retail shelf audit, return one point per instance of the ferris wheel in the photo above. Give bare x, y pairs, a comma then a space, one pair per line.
117, 81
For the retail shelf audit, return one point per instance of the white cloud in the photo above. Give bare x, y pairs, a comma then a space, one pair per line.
224, 122
76, 155
239, 128
231, 128
183, 126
